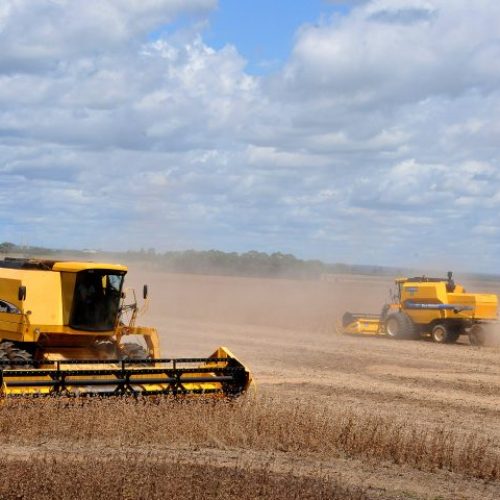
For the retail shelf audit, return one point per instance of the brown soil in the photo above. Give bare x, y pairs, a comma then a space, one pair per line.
400, 419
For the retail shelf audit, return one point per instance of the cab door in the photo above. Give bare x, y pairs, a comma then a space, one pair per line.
11, 310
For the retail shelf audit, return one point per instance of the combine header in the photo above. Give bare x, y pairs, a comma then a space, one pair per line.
65, 329
429, 306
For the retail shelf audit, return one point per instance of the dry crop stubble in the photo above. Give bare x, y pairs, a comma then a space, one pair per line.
123, 448
263, 424
128, 476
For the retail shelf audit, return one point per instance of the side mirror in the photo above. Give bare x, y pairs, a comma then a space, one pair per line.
145, 292
21, 293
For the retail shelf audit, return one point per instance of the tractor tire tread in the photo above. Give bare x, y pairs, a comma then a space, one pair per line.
407, 328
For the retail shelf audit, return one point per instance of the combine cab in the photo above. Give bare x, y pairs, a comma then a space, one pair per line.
66, 329
429, 306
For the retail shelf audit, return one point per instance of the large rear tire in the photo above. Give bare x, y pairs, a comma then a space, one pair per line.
400, 326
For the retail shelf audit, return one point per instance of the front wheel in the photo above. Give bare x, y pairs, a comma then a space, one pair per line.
12, 357
399, 326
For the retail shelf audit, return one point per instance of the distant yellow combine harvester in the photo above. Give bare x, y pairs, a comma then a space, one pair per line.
429, 306
66, 329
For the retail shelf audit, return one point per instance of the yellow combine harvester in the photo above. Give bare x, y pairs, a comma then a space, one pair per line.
65, 328
429, 306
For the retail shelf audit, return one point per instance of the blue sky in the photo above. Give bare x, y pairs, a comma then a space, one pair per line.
264, 31
363, 131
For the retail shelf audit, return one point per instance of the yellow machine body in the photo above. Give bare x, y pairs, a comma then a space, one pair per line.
422, 306
425, 302
65, 329
47, 306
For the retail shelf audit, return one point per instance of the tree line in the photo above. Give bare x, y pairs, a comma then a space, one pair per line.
252, 263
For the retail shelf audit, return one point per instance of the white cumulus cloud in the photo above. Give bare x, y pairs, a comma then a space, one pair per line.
378, 135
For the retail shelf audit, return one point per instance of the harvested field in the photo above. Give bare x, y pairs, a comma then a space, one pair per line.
334, 417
